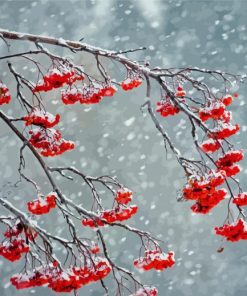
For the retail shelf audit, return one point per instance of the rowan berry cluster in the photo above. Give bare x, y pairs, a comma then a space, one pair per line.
203, 190
240, 199
130, 83
76, 277
18, 229
4, 94
204, 206
214, 110
49, 141
224, 130
60, 280
155, 259
85, 94
210, 145
118, 214
124, 196
42, 206
233, 232
41, 118
147, 291
13, 249
166, 108
227, 162
57, 77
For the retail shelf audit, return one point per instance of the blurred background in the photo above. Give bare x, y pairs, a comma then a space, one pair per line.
116, 138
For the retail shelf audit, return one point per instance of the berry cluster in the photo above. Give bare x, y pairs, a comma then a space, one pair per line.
233, 232
4, 94
87, 94
50, 142
30, 279
199, 187
130, 83
17, 229
124, 196
147, 291
205, 205
42, 206
57, 77
63, 280
119, 213
154, 259
180, 92
227, 162
13, 249
107, 90
166, 108
203, 190
241, 199
224, 130
42, 118
210, 145
214, 110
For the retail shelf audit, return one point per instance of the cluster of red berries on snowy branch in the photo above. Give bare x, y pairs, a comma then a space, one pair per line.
67, 280
42, 206
146, 291
41, 118
49, 141
120, 212
154, 259
4, 94
16, 241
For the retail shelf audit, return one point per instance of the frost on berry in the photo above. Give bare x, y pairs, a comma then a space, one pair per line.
146, 291
214, 110
56, 78
133, 80
4, 94
87, 94
155, 259
124, 196
167, 108
227, 162
240, 199
42, 206
233, 232
210, 145
49, 142
204, 191
13, 249
224, 130
118, 214
63, 280
42, 118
